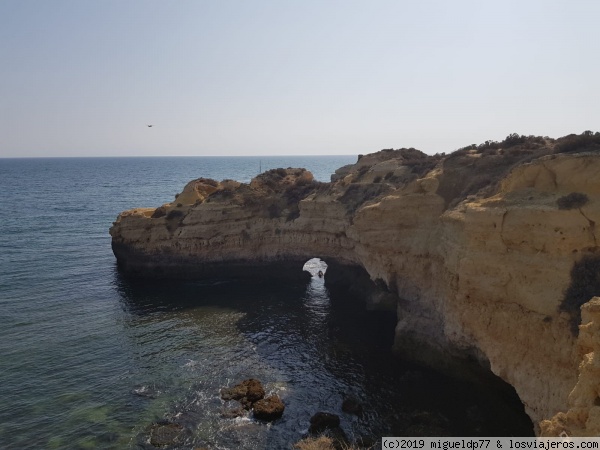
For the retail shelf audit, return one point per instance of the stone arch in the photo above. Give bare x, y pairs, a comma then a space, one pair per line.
314, 266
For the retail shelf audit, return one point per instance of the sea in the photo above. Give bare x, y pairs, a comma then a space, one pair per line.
90, 359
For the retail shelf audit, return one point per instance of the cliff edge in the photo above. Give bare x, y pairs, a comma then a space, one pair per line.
488, 252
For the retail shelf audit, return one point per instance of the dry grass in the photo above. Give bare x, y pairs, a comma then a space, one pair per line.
321, 443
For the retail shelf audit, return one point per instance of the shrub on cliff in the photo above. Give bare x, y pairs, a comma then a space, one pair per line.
362, 171
356, 194
175, 214
221, 194
572, 201
477, 170
491, 147
420, 163
274, 210
465, 150
159, 212
515, 139
488, 145
174, 219
421, 166
588, 141
279, 179
299, 191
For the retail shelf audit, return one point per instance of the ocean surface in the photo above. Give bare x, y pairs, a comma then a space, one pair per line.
91, 359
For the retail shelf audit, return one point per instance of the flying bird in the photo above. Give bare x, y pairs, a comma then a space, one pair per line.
150, 126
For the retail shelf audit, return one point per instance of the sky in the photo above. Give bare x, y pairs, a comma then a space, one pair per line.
291, 77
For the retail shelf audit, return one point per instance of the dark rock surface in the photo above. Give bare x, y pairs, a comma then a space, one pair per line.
351, 405
322, 421
247, 392
163, 434
269, 408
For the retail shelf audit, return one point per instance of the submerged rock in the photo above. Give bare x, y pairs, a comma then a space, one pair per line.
250, 393
351, 405
322, 421
164, 434
232, 413
146, 391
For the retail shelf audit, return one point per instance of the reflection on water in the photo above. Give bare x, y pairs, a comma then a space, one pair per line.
187, 340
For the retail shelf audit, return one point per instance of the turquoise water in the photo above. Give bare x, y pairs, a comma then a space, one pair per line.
90, 359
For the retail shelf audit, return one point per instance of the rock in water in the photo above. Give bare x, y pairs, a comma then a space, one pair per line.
247, 392
352, 406
164, 434
255, 390
269, 408
232, 413
322, 421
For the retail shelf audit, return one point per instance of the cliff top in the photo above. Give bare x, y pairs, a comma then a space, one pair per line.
474, 172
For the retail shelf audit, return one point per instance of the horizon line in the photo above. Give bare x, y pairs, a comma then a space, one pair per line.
174, 156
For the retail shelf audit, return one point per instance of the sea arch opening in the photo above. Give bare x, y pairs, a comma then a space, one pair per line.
316, 267
451, 390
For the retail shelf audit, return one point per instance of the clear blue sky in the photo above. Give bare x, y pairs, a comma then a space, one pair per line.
256, 77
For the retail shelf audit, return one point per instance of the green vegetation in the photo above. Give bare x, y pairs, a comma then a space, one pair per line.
491, 147
356, 194
175, 214
588, 141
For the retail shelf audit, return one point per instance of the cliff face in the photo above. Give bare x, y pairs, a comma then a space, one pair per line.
583, 415
481, 275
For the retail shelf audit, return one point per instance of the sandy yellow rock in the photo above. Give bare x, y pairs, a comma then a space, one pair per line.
478, 276
582, 418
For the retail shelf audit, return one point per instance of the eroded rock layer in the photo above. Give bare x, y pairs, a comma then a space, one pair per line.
486, 252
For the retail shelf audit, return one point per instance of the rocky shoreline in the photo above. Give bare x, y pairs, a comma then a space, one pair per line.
487, 253
324, 430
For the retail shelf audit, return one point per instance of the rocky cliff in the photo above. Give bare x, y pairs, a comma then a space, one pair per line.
583, 416
488, 252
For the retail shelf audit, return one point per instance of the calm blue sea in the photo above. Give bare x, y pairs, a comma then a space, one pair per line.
89, 359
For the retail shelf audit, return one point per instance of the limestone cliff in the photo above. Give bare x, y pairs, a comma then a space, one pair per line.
484, 252
583, 416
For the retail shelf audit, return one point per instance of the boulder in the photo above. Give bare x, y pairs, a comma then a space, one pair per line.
269, 408
247, 392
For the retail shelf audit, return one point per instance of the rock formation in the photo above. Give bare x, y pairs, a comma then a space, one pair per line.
583, 416
269, 408
251, 395
487, 252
